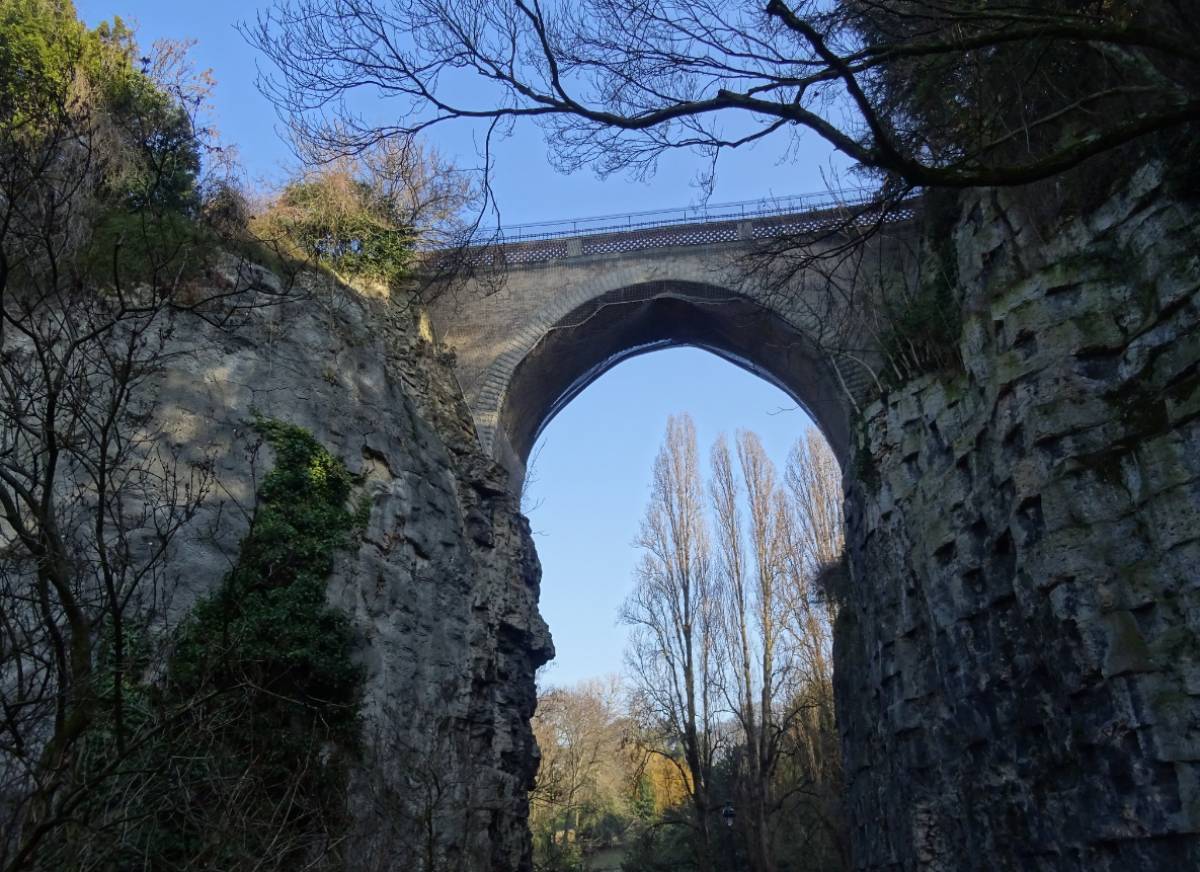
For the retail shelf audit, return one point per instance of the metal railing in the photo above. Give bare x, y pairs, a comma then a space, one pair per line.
793, 204
768, 218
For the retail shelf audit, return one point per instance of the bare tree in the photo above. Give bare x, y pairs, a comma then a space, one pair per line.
814, 481
1038, 86
672, 610
810, 775
98, 259
770, 732
769, 641
750, 561
580, 734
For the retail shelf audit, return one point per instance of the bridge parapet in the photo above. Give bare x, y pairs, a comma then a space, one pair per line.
806, 215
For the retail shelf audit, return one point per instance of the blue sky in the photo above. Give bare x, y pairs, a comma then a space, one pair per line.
593, 478
594, 466
527, 188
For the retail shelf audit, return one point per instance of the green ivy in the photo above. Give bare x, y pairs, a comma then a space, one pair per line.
269, 624
235, 754
277, 659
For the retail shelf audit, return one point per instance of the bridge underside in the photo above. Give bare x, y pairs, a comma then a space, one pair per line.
598, 335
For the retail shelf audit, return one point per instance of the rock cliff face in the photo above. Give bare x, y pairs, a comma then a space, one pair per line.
442, 589
1018, 662
1018, 665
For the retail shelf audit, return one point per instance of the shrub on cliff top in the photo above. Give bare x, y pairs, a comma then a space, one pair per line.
361, 214
341, 222
99, 146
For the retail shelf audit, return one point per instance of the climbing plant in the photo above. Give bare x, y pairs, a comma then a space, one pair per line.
234, 756
268, 626
276, 661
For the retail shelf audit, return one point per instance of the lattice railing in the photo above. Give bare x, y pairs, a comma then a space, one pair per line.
550, 241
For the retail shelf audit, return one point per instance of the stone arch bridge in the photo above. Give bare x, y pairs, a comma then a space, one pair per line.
556, 305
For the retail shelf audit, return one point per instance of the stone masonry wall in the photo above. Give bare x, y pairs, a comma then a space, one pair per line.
1018, 662
442, 589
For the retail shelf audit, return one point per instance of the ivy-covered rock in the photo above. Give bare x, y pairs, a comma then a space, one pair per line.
268, 626
264, 682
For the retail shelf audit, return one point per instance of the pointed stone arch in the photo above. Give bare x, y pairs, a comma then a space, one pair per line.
635, 319
525, 350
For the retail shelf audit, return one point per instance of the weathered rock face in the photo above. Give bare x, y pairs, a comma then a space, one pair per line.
1018, 666
442, 589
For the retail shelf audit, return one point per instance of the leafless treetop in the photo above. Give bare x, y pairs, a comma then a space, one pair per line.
934, 92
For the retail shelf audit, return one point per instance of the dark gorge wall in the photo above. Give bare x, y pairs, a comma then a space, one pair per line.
1018, 667
1018, 659
441, 586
